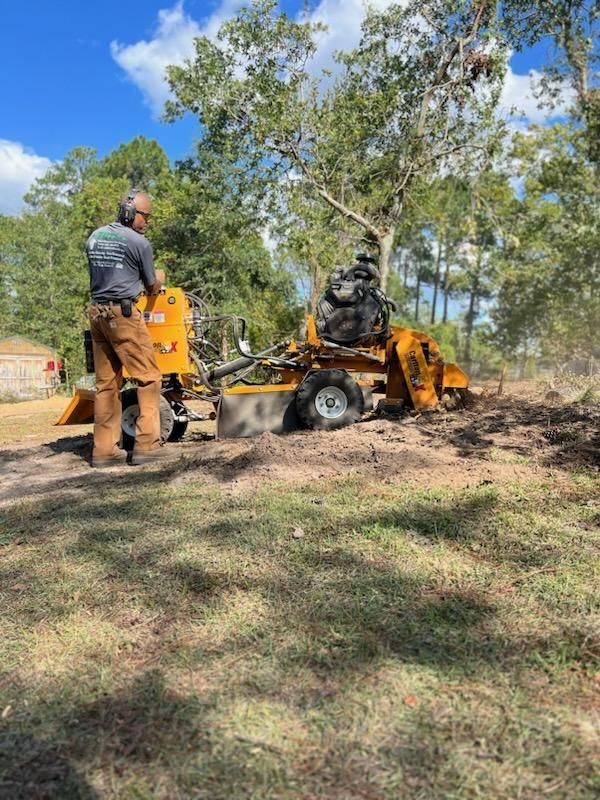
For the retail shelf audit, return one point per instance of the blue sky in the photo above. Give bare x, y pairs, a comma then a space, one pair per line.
91, 74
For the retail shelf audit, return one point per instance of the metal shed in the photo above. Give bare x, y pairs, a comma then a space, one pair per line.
27, 369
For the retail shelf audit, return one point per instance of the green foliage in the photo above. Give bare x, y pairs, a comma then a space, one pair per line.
43, 271
486, 359
7, 226
63, 180
206, 235
447, 335
549, 292
402, 104
142, 162
574, 26
314, 240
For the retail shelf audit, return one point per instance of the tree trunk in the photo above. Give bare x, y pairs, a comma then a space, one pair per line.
418, 293
385, 242
469, 320
436, 281
446, 281
315, 283
446, 286
471, 313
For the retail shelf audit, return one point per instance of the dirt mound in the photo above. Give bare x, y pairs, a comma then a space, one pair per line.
494, 439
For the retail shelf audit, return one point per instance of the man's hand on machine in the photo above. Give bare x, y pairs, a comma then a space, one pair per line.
160, 280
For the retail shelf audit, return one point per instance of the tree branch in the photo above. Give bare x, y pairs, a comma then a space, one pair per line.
329, 198
577, 59
460, 43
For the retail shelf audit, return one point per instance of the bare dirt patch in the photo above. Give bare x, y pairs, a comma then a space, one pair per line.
496, 439
518, 436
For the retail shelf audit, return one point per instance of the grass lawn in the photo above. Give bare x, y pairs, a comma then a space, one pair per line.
28, 420
349, 639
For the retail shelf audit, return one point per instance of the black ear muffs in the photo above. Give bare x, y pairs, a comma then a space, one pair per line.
127, 210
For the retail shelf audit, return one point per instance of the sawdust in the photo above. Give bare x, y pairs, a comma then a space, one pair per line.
495, 440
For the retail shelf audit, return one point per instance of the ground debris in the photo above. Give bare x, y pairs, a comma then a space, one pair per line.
503, 438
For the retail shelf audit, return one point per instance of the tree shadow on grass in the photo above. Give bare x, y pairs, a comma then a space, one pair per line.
113, 536
140, 732
475, 526
342, 614
327, 610
31, 769
134, 725
138, 724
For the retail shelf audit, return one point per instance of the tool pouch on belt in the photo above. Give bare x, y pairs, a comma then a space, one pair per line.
100, 310
126, 307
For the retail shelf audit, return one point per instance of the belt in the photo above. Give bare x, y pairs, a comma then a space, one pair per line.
109, 301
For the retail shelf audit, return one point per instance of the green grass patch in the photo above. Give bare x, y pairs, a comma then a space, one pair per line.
168, 641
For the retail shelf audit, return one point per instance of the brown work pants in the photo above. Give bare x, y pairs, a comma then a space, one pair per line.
119, 342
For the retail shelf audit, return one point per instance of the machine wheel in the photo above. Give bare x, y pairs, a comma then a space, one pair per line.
131, 411
329, 399
179, 427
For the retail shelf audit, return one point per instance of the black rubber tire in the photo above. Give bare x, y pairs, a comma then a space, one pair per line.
178, 432
167, 421
339, 381
179, 426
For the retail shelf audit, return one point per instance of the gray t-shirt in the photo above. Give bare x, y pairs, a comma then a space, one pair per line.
120, 261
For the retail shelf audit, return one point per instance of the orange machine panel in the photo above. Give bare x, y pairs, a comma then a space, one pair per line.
166, 316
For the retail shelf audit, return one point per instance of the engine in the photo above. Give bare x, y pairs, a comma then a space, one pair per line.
351, 309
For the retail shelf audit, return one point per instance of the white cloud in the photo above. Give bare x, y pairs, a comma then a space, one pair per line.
343, 19
145, 62
19, 167
518, 93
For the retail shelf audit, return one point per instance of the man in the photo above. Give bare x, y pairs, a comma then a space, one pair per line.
121, 263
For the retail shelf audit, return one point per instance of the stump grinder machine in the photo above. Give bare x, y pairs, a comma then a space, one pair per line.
325, 380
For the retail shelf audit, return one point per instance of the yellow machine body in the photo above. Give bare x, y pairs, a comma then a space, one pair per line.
406, 366
411, 377
167, 319
80, 409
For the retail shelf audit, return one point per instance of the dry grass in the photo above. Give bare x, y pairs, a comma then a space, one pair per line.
25, 421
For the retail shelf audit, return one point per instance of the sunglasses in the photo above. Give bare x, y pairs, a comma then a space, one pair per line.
145, 214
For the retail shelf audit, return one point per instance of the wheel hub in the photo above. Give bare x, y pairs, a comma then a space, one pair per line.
331, 402
129, 416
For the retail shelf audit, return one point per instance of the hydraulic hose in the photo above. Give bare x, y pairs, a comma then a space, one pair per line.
241, 363
230, 367
247, 358
350, 351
